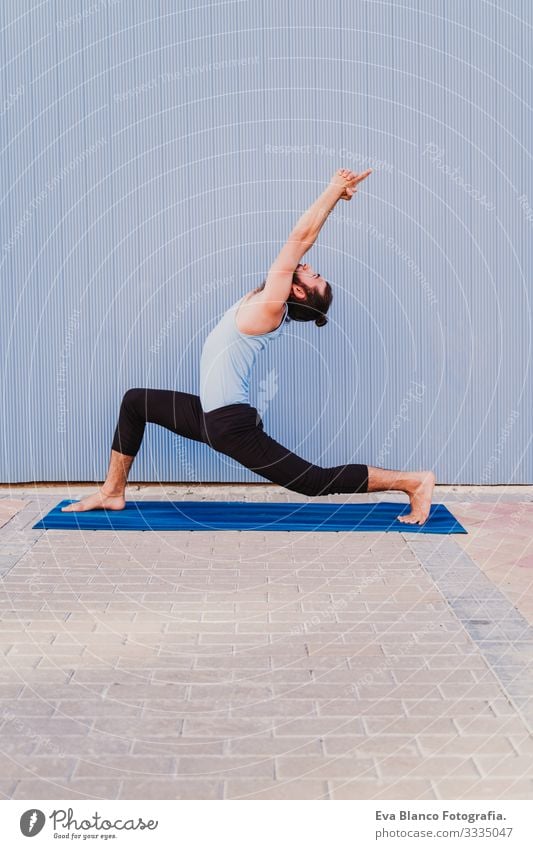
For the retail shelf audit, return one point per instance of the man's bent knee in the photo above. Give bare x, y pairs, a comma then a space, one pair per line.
132, 396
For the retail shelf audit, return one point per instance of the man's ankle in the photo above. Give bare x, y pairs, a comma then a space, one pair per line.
410, 485
112, 493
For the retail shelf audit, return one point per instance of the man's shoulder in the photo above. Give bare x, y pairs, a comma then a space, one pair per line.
257, 314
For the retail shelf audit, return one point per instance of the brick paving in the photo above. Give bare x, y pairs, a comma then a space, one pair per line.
234, 664
501, 544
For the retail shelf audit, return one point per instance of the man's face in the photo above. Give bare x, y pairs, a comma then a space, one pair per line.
304, 273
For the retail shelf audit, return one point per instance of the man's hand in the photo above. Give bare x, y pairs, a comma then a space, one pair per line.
346, 182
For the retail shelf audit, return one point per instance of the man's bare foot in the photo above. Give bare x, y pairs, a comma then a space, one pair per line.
420, 499
97, 501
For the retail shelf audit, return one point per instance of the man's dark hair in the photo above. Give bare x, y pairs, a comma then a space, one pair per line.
313, 308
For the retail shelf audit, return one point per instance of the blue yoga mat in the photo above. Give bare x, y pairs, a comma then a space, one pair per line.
249, 516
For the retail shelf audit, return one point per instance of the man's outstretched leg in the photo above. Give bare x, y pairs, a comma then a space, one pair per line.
417, 485
237, 431
179, 412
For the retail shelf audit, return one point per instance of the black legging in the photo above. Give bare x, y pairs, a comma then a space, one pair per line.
235, 430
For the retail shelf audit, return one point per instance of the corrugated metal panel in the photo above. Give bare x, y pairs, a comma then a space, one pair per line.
143, 194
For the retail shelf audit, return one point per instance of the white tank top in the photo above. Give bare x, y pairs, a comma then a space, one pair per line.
227, 359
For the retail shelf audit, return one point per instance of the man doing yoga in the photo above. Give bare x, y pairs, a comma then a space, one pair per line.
222, 416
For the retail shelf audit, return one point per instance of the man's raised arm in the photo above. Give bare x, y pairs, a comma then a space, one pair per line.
342, 186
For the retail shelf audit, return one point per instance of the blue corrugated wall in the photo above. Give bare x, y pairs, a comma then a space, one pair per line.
154, 157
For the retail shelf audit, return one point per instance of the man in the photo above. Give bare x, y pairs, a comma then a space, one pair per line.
222, 416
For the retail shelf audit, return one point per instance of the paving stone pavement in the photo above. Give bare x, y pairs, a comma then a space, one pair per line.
247, 665
500, 542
